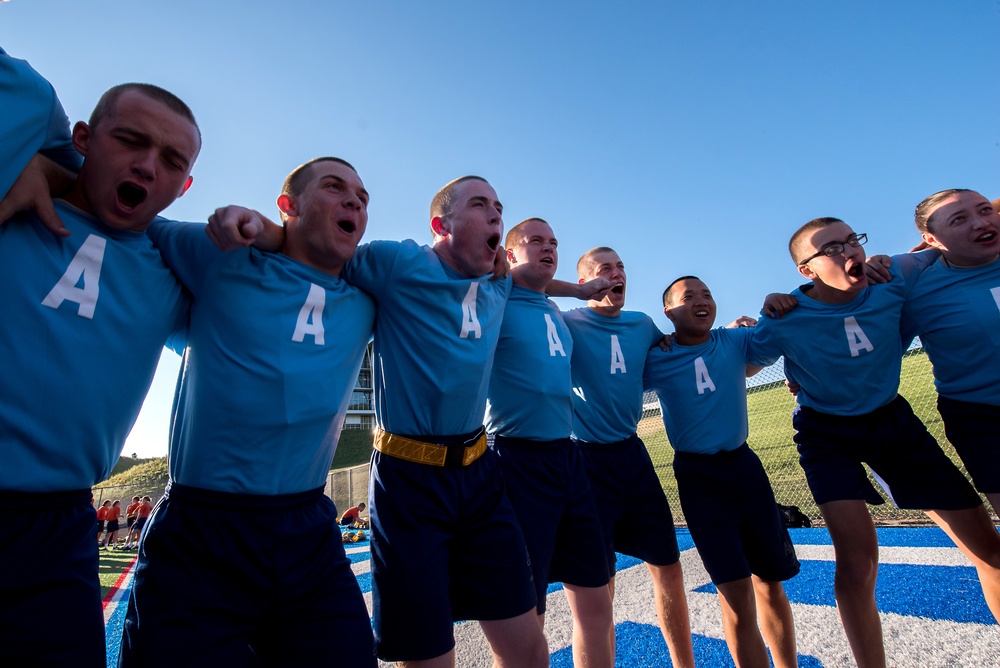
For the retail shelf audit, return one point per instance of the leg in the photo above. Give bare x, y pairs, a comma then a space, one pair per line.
672, 611
975, 535
856, 548
593, 626
774, 614
739, 624
517, 642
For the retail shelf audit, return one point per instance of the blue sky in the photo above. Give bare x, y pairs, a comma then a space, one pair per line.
692, 137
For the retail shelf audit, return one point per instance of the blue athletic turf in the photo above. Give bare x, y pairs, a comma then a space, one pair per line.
903, 589
642, 645
887, 537
914, 590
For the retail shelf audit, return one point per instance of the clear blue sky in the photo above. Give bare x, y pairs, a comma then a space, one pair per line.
693, 137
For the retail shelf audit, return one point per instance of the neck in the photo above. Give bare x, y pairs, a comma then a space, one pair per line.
604, 309
686, 338
538, 285
822, 292
962, 263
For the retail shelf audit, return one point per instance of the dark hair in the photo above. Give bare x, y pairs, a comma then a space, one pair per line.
666, 293
442, 203
814, 224
106, 105
297, 179
512, 236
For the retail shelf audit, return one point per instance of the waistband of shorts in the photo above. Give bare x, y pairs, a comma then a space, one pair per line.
721, 455
454, 452
556, 444
624, 443
10, 499
229, 499
830, 418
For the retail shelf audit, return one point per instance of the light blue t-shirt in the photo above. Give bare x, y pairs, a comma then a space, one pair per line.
435, 336
31, 121
956, 313
274, 349
608, 356
531, 389
845, 357
702, 390
85, 319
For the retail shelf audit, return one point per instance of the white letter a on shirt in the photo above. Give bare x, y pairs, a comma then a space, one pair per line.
86, 268
470, 323
311, 317
856, 337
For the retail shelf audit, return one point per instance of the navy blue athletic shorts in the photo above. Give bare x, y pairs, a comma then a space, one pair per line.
733, 517
635, 516
446, 546
267, 582
895, 445
548, 487
50, 562
974, 430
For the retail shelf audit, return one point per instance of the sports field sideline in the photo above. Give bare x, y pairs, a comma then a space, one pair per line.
933, 612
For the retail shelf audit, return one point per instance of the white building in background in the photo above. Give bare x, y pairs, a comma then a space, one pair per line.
361, 410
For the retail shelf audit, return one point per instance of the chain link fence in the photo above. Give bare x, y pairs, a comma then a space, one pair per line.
770, 405
770, 408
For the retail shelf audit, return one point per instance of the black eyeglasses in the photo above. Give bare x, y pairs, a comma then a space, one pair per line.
830, 250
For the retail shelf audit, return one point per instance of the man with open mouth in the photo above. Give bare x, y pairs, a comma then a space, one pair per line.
725, 493
842, 345
610, 346
87, 316
273, 350
530, 414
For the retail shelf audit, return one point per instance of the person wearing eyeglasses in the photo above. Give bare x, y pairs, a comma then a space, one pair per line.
843, 346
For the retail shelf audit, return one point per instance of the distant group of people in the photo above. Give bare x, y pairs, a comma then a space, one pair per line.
108, 520
506, 454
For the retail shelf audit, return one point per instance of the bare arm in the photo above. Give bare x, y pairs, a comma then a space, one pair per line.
593, 289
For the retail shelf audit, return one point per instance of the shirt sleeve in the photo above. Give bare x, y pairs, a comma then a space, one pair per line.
186, 249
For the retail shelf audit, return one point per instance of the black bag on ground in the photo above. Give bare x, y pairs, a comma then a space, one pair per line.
793, 517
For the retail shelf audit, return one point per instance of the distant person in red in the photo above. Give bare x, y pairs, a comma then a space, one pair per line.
102, 515
111, 537
142, 516
351, 515
130, 515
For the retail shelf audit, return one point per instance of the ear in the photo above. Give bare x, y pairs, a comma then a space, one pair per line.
286, 205
439, 227
669, 312
81, 138
187, 184
932, 240
807, 271
511, 260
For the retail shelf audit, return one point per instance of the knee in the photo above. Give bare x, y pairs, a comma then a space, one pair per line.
591, 607
669, 578
856, 574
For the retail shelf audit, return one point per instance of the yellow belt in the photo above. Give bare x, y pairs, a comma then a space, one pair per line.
427, 453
